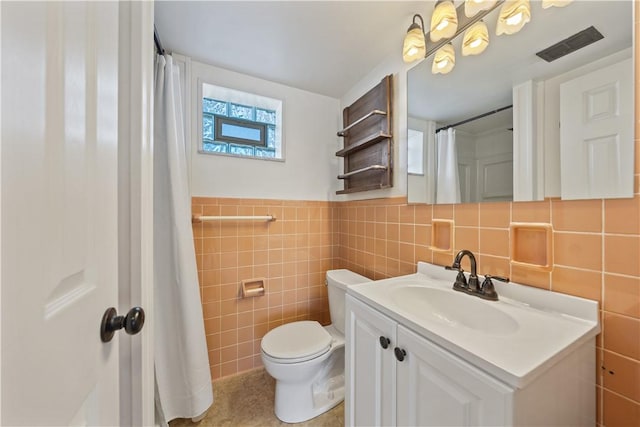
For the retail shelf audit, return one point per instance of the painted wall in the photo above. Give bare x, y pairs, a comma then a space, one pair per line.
310, 125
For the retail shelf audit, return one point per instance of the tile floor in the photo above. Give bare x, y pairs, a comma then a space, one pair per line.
247, 400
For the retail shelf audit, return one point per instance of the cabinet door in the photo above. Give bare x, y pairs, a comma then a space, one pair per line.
369, 368
436, 388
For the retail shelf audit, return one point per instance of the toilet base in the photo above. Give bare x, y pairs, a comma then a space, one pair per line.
307, 389
295, 404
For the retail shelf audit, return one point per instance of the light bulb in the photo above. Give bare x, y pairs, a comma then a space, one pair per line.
444, 21
444, 60
443, 63
414, 46
442, 25
476, 39
515, 19
557, 3
514, 15
472, 7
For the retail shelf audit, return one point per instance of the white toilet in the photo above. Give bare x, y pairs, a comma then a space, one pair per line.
307, 359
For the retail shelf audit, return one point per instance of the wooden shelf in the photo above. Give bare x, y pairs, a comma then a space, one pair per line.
364, 188
368, 140
363, 143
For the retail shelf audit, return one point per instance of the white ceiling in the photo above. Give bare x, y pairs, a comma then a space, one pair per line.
324, 47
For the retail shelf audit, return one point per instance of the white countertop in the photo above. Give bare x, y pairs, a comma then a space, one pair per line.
536, 327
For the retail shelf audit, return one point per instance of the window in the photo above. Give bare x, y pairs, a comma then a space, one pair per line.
415, 152
242, 124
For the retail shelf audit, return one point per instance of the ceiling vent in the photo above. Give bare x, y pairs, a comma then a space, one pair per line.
571, 44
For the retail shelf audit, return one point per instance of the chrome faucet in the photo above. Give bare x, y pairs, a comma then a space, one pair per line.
486, 291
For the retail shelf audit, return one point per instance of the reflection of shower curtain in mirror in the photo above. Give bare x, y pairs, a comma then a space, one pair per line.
447, 180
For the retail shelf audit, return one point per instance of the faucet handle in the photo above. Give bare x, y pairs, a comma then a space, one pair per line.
461, 281
488, 291
451, 267
500, 278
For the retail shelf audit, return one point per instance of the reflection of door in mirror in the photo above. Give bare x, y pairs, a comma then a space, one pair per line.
596, 116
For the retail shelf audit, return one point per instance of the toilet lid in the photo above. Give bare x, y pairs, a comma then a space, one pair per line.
303, 339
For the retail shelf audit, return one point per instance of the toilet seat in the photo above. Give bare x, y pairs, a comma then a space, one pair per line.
296, 342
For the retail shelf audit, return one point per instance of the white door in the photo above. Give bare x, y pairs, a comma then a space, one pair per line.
59, 212
596, 134
369, 367
495, 177
465, 171
435, 388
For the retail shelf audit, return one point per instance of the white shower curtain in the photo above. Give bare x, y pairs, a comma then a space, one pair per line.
447, 180
183, 379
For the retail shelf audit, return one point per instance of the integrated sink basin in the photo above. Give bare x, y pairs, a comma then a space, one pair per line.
515, 338
452, 308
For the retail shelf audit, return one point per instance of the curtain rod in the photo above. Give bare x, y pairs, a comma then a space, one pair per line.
156, 40
474, 118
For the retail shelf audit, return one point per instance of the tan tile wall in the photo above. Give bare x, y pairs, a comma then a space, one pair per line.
596, 255
292, 254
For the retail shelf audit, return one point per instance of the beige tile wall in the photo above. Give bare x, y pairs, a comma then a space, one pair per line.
596, 255
292, 254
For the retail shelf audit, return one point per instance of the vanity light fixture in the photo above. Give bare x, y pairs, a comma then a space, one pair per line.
472, 7
448, 22
444, 60
546, 4
414, 46
476, 39
444, 21
514, 15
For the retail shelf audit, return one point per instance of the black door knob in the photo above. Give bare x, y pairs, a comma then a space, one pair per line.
400, 354
111, 322
384, 342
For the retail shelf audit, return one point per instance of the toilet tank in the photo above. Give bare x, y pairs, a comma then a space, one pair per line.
337, 283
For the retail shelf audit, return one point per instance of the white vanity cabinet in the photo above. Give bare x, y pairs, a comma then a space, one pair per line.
435, 388
428, 387
370, 375
400, 371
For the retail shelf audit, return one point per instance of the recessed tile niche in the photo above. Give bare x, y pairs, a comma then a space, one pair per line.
531, 245
442, 235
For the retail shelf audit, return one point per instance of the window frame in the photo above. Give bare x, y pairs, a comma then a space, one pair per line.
219, 121
276, 104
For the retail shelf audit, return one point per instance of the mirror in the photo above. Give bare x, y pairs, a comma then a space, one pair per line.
504, 108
